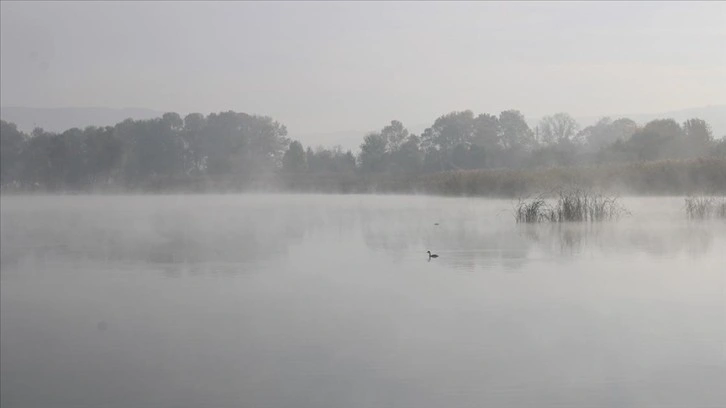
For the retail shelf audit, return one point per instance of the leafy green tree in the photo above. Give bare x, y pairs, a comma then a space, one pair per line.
310, 159
172, 121
388, 149
153, 151
606, 132
647, 144
104, 151
617, 152
408, 158
373, 153
557, 154
240, 148
665, 128
36, 168
294, 159
266, 144
192, 135
558, 128
487, 132
394, 134
718, 148
450, 130
446, 142
515, 133
72, 160
478, 157
330, 161
660, 138
12, 142
698, 130
224, 138
459, 158
242, 144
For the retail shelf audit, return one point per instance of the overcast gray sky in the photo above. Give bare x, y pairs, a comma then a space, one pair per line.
320, 67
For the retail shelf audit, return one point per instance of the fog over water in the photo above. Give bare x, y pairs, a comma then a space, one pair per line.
234, 204
331, 301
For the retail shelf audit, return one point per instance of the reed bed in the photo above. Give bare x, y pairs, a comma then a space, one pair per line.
533, 210
703, 207
572, 205
664, 177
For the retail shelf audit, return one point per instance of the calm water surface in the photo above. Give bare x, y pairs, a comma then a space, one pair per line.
330, 301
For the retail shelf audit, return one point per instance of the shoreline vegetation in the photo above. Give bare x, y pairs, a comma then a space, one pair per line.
571, 205
705, 207
461, 154
656, 178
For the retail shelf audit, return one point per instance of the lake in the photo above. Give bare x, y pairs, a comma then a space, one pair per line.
331, 301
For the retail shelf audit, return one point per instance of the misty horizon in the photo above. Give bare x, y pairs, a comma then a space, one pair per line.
326, 68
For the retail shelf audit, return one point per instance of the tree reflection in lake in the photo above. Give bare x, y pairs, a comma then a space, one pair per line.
172, 235
230, 234
466, 244
331, 299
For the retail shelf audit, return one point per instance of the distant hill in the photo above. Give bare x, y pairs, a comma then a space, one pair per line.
61, 119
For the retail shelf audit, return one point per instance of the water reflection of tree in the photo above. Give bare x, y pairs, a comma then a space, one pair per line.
692, 238
461, 245
171, 238
232, 235
561, 239
621, 238
468, 245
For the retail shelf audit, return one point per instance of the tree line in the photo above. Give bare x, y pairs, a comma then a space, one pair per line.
241, 150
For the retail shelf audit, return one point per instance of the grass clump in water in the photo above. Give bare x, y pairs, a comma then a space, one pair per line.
574, 205
702, 207
534, 210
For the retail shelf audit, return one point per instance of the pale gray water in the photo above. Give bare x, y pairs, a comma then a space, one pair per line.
329, 301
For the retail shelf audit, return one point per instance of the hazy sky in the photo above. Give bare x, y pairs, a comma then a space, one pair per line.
321, 67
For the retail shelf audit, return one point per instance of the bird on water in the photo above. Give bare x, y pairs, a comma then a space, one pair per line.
432, 255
